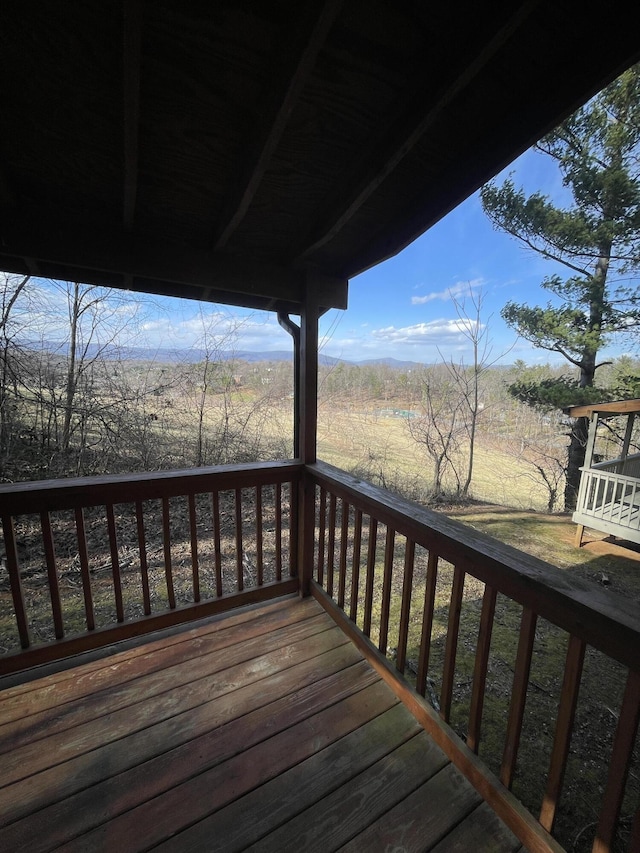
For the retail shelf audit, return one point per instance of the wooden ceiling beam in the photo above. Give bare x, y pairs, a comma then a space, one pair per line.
406, 132
132, 41
297, 60
101, 252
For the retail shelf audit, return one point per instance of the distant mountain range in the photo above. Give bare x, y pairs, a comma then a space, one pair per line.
166, 355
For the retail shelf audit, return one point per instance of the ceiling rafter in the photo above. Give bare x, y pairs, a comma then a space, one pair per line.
297, 62
405, 134
132, 41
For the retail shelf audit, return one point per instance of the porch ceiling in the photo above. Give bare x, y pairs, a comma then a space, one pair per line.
245, 151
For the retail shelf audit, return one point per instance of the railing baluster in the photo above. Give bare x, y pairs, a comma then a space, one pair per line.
293, 531
84, 569
480, 669
344, 538
166, 545
193, 536
387, 577
564, 729
239, 552
278, 532
115, 563
259, 544
451, 646
405, 611
217, 548
52, 574
371, 568
427, 622
144, 568
518, 695
15, 580
621, 756
355, 570
322, 531
331, 544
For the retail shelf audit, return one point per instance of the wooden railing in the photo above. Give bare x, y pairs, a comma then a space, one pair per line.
88, 562
609, 501
628, 467
92, 561
387, 566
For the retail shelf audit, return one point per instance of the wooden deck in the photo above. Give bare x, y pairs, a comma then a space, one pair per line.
263, 730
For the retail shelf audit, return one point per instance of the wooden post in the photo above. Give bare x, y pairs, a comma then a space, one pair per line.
588, 459
308, 419
627, 442
591, 440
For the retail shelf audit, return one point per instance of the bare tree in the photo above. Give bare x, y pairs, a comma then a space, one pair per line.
441, 426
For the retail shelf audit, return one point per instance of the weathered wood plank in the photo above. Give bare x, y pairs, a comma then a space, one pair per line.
170, 699
300, 683
217, 740
256, 782
184, 664
481, 832
421, 819
333, 820
117, 669
282, 797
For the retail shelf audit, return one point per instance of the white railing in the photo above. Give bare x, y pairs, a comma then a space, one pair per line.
629, 467
610, 497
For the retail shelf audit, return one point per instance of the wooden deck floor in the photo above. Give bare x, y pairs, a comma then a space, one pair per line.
265, 730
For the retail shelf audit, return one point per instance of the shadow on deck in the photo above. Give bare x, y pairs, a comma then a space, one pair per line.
264, 730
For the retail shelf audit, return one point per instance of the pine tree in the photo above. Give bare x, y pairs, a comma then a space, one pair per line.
597, 239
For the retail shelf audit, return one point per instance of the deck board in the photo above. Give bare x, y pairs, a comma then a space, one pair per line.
266, 730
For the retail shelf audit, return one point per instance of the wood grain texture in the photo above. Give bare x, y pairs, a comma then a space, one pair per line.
263, 728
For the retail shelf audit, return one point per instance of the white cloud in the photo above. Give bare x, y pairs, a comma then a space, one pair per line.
457, 291
435, 333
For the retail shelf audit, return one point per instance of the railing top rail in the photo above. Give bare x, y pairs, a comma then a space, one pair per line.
45, 495
603, 619
607, 463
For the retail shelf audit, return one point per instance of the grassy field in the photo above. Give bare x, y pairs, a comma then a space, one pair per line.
375, 443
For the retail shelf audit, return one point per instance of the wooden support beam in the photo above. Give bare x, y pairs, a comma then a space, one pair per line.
308, 416
97, 252
296, 61
405, 132
132, 39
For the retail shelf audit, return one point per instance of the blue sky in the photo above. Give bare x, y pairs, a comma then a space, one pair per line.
402, 308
